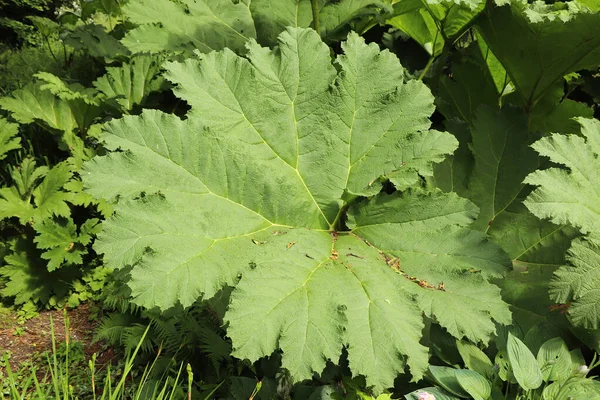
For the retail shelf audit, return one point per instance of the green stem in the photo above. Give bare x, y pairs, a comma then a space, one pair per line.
315, 13
427, 66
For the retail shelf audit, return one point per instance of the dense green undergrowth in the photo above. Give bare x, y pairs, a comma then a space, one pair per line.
335, 199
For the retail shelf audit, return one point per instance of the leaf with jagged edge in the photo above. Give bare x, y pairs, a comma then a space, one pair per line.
96, 41
9, 139
62, 242
254, 189
569, 195
205, 25
60, 89
208, 25
48, 197
578, 282
130, 84
432, 23
33, 104
271, 18
500, 142
27, 278
538, 44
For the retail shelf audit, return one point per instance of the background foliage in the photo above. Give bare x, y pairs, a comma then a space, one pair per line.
486, 170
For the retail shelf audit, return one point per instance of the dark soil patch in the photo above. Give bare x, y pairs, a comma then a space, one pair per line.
23, 341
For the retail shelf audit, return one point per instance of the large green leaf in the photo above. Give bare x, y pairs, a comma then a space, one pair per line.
538, 44
186, 25
208, 25
253, 194
502, 160
32, 104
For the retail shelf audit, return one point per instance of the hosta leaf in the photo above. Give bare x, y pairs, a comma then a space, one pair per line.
474, 358
253, 195
190, 24
554, 360
130, 84
569, 196
8, 137
523, 364
447, 379
549, 47
473, 383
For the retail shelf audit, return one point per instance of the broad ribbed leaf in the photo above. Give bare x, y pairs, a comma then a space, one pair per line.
186, 25
208, 25
96, 41
502, 160
252, 193
538, 50
459, 261
130, 84
271, 18
34, 104
572, 195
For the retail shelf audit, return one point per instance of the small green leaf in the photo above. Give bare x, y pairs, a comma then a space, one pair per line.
473, 383
523, 364
8, 137
475, 359
447, 379
554, 360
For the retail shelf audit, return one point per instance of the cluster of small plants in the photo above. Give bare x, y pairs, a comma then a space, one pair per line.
347, 199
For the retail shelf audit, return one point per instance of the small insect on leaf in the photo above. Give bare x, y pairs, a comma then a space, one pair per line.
290, 244
70, 246
258, 241
279, 233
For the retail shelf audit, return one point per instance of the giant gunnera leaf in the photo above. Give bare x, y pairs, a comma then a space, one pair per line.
265, 186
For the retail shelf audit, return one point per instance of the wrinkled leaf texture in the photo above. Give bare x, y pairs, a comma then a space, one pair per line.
248, 190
